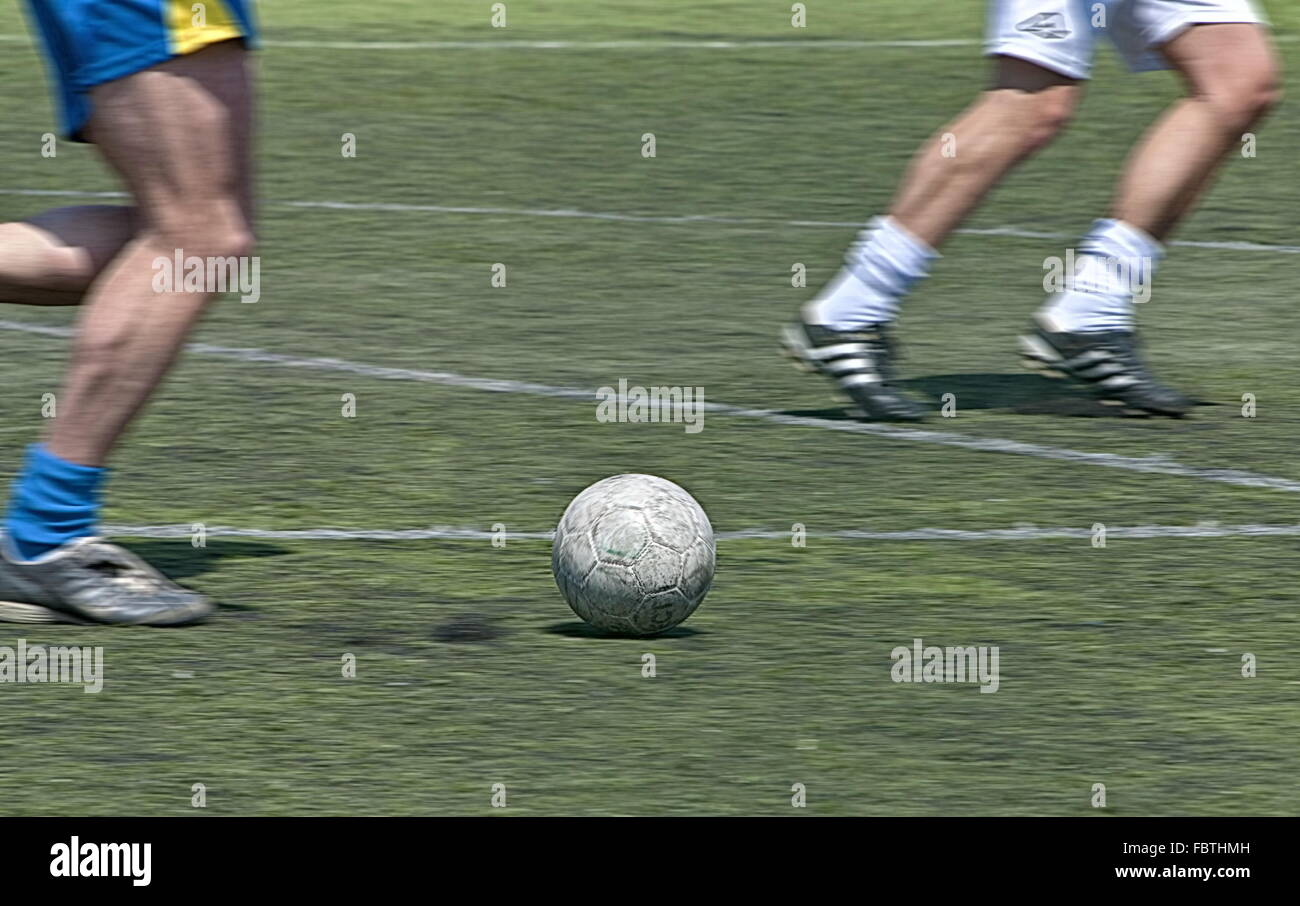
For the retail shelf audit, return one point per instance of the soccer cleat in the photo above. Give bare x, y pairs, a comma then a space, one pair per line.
89, 580
861, 362
1107, 363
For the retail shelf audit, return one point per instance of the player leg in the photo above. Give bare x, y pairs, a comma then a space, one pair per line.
845, 332
189, 175
1027, 107
53, 257
1042, 51
1087, 331
178, 135
1233, 80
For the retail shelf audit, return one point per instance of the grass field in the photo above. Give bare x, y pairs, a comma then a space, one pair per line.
1119, 665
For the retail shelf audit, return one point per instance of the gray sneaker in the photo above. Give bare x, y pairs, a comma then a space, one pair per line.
89, 580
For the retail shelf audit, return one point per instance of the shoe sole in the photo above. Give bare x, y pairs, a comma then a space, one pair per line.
18, 612
1041, 358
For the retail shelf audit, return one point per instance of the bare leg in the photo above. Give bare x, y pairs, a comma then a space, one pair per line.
844, 332
52, 258
178, 134
948, 177
1027, 107
1232, 81
1085, 330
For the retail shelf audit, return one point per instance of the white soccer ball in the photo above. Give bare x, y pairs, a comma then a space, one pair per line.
634, 554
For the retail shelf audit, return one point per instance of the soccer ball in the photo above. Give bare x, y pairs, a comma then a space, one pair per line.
633, 554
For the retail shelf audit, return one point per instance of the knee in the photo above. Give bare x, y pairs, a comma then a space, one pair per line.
1034, 118
1247, 98
220, 244
1043, 116
214, 230
235, 241
214, 240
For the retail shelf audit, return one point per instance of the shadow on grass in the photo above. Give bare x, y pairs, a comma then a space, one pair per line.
1017, 392
179, 559
1023, 394
467, 627
576, 629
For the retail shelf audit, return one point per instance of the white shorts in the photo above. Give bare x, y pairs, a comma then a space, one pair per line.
1059, 34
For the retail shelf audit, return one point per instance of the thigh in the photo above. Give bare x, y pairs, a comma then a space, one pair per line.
1054, 34
92, 42
179, 134
1160, 20
1144, 29
1224, 60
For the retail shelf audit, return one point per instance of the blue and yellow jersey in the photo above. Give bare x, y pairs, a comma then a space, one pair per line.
90, 42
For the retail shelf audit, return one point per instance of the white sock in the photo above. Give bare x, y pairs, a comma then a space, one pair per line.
879, 268
1112, 261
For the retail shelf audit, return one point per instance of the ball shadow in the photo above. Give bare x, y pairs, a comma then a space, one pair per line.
576, 629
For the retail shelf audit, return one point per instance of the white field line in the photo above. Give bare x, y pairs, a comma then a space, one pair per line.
574, 214
1157, 464
452, 533
628, 44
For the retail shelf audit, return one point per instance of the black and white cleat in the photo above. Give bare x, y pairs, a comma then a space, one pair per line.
860, 362
1108, 364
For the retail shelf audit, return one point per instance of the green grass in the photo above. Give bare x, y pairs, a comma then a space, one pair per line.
1119, 665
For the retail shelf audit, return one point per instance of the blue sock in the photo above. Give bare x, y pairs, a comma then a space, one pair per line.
53, 501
